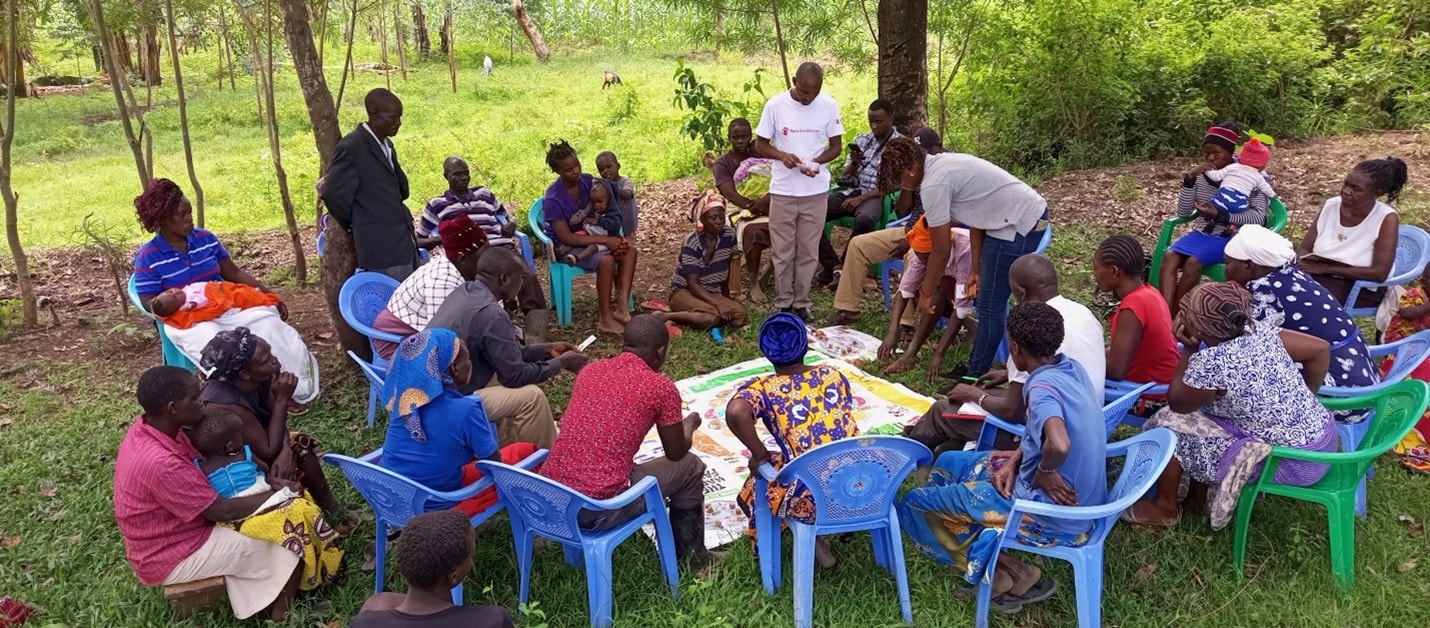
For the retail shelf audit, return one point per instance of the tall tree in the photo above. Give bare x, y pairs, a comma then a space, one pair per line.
339, 260
322, 113
420, 37
263, 85
528, 26
449, 46
198, 190
149, 61
401, 37
117, 82
29, 311
903, 59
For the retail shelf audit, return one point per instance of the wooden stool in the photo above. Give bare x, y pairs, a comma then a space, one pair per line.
190, 596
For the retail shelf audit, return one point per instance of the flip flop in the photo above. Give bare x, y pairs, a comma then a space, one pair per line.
297, 409
656, 305
1132, 519
1041, 590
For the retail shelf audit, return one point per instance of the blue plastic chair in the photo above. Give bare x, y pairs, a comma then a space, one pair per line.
172, 355
1411, 256
1114, 388
1146, 455
538, 506
395, 500
363, 297
322, 235
1112, 415
1409, 353
853, 482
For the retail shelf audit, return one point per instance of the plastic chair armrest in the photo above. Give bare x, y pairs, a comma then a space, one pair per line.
767, 472
636, 491
1357, 402
1076, 513
1005, 425
899, 222
382, 335
1279, 452
1343, 392
1121, 387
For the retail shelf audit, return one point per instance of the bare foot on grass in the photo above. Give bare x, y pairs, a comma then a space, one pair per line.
612, 326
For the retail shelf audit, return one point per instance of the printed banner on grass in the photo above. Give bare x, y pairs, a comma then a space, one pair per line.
879, 407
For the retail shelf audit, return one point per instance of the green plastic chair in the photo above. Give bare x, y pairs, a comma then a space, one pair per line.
1397, 408
848, 221
1275, 221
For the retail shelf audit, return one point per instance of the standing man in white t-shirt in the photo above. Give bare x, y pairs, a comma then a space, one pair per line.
801, 131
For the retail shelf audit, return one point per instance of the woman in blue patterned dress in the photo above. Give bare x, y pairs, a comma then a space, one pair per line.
1231, 402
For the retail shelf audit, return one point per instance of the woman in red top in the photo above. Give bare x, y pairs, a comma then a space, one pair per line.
1143, 349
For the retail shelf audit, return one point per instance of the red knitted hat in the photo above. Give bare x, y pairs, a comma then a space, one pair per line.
460, 236
1255, 154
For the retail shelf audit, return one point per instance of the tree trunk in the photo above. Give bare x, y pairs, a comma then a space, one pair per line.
382, 37
20, 87
28, 307
339, 260
780, 42
149, 52
198, 190
420, 37
119, 49
348, 60
719, 36
528, 26
116, 82
445, 34
322, 114
227, 46
401, 37
449, 46
903, 59
263, 83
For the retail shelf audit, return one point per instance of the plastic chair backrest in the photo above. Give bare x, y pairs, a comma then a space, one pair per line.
1410, 255
1047, 240
1146, 456
363, 297
134, 299
395, 500
1116, 410
544, 506
1408, 356
1276, 216
1397, 408
856, 479
536, 218
374, 378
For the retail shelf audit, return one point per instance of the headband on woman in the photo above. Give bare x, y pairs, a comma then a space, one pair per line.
1260, 246
1223, 137
707, 202
783, 339
229, 353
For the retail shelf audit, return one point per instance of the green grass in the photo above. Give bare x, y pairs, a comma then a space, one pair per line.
72, 158
66, 424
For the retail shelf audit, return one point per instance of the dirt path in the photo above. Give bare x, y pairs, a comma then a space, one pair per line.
82, 325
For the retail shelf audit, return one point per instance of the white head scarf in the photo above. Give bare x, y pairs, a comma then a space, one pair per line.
1261, 246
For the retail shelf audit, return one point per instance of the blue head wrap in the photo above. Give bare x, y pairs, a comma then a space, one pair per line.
418, 375
783, 339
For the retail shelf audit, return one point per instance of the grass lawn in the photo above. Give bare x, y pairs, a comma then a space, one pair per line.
72, 159
59, 548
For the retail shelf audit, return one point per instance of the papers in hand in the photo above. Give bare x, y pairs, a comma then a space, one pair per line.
971, 409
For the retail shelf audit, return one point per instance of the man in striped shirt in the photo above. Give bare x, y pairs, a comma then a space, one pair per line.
481, 205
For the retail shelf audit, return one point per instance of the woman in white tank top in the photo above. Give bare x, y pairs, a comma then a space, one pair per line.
1355, 236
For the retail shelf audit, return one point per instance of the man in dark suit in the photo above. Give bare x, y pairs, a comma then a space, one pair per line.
366, 186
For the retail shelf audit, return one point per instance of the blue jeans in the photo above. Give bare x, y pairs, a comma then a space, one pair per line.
993, 292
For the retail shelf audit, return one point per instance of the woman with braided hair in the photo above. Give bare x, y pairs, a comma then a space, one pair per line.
1142, 349
1355, 236
180, 255
1251, 388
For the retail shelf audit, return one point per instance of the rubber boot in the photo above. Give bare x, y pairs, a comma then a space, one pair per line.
535, 328
688, 527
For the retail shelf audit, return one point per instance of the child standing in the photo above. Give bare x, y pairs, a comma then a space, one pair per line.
1241, 178
182, 308
960, 265
1143, 349
625, 200
1412, 317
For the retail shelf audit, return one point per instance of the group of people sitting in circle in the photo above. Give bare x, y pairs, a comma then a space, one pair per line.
211, 480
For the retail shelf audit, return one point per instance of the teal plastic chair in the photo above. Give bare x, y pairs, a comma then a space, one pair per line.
172, 355
1145, 457
538, 506
560, 275
1396, 408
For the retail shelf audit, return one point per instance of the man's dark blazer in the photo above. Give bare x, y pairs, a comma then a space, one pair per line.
365, 195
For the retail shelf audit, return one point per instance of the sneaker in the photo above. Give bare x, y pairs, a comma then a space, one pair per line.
824, 277
834, 280
958, 372
805, 313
